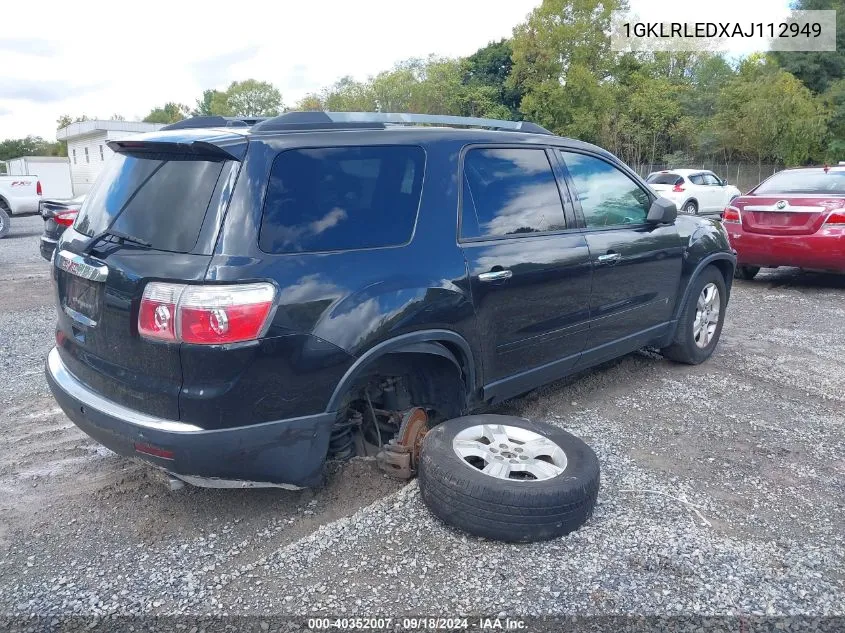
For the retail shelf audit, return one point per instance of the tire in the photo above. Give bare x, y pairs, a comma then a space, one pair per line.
687, 345
746, 272
5, 222
691, 208
508, 509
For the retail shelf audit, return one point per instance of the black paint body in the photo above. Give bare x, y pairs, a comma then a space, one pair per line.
560, 312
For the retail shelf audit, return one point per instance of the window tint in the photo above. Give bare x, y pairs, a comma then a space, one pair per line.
608, 196
338, 198
664, 179
698, 179
161, 201
509, 192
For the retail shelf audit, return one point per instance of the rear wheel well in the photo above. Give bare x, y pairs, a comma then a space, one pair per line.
5, 204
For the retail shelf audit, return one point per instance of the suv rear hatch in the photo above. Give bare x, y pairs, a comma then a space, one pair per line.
153, 214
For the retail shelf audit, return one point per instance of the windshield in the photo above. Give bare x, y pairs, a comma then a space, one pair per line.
159, 199
664, 179
804, 181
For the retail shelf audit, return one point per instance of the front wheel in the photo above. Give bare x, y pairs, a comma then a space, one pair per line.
701, 320
4, 221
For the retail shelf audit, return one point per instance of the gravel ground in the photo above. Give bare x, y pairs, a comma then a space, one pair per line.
723, 492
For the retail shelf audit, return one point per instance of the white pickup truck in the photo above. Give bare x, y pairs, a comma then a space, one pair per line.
18, 194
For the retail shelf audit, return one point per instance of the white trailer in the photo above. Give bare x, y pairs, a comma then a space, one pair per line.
53, 173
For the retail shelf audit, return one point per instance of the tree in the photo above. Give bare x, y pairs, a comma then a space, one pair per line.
486, 77
561, 64
213, 102
310, 102
253, 98
27, 146
170, 112
818, 70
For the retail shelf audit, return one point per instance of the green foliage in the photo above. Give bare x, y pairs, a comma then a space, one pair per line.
818, 70
170, 112
253, 98
28, 146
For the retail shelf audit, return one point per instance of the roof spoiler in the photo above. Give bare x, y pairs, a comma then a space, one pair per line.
194, 149
378, 120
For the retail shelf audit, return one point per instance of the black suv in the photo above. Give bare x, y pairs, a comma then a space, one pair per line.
238, 303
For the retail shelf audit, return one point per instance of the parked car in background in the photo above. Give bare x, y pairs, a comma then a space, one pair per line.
240, 303
58, 215
794, 218
18, 194
694, 191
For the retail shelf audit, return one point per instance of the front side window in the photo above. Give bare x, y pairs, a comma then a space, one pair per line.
608, 196
697, 179
712, 181
342, 198
509, 192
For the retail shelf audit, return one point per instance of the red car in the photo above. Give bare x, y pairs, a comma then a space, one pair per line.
795, 218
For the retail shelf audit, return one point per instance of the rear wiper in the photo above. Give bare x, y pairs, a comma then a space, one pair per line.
121, 238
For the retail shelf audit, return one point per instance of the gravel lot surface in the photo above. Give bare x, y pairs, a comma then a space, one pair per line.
723, 492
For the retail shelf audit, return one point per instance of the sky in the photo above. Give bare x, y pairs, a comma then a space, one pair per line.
91, 57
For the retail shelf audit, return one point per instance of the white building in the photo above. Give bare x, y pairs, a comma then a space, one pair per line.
87, 149
53, 173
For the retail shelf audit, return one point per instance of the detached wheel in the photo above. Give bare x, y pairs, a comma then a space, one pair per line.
507, 478
746, 272
701, 320
4, 221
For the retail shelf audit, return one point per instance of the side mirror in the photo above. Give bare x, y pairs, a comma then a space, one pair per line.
724, 181
662, 211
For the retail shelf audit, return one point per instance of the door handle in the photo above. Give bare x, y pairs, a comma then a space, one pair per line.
610, 258
495, 275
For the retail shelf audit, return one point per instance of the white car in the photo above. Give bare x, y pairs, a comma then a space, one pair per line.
18, 194
694, 191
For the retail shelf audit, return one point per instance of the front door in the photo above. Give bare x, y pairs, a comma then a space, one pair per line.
529, 270
636, 265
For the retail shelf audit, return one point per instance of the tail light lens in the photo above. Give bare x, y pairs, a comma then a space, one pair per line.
731, 215
206, 315
65, 218
836, 218
38, 187
678, 188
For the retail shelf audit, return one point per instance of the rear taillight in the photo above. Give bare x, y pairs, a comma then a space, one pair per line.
678, 189
38, 187
65, 218
206, 315
731, 214
836, 218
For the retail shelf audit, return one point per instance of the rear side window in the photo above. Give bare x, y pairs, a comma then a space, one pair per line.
341, 198
161, 200
665, 179
509, 192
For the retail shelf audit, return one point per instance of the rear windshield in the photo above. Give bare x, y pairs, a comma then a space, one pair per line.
159, 199
340, 198
664, 179
815, 181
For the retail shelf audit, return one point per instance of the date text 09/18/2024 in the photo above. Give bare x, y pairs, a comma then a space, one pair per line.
418, 624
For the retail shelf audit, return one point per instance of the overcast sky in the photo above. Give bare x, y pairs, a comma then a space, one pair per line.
90, 57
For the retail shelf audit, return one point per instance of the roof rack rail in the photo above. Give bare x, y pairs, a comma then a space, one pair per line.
291, 121
214, 121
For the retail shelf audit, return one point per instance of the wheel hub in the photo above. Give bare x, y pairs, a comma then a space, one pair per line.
509, 452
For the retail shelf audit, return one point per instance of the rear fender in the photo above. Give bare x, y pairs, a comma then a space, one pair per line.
429, 342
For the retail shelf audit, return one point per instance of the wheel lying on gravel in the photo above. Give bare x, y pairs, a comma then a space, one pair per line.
507, 478
701, 320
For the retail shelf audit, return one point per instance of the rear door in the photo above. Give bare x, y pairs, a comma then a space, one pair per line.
636, 265
169, 199
529, 267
